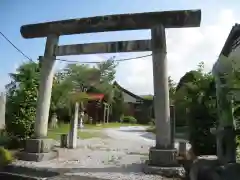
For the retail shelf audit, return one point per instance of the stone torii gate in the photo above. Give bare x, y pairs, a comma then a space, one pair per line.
163, 154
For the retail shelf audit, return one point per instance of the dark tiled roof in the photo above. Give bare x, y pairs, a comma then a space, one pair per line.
233, 40
130, 93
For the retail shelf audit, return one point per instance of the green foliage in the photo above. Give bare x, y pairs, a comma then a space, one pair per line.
70, 83
5, 157
117, 105
151, 122
143, 112
195, 102
147, 97
21, 101
129, 119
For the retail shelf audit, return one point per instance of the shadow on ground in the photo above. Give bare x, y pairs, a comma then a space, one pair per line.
131, 168
132, 130
149, 135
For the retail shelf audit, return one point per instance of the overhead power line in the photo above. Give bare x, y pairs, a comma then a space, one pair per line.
96, 62
16, 47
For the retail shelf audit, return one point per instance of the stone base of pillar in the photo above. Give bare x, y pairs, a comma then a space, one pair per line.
38, 150
163, 157
163, 162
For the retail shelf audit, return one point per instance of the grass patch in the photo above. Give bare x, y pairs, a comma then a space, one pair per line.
64, 129
88, 135
109, 125
151, 129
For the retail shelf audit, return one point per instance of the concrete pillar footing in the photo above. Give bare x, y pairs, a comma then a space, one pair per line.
163, 157
38, 150
169, 172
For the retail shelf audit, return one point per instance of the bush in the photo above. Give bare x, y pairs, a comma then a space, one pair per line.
129, 119
202, 140
5, 157
21, 101
21, 114
152, 122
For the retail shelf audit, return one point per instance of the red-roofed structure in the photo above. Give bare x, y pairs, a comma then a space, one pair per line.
95, 96
95, 107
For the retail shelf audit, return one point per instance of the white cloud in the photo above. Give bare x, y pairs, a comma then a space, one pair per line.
186, 48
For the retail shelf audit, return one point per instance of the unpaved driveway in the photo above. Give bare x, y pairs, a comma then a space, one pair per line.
119, 156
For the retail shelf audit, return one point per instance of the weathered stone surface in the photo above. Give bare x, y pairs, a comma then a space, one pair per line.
162, 157
203, 165
105, 47
226, 145
74, 129
229, 171
15, 176
45, 87
38, 145
37, 156
160, 86
170, 19
31, 172
176, 171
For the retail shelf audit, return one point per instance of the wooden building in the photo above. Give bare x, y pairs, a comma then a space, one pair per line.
136, 106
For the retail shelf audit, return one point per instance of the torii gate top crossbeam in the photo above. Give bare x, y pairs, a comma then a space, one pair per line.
169, 19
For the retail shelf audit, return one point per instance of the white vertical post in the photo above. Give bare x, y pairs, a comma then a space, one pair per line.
104, 113
73, 128
108, 109
2, 110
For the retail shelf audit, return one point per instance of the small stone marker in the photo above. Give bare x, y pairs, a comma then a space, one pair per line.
54, 121
182, 149
80, 123
64, 141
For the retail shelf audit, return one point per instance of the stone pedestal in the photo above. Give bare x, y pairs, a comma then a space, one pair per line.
38, 150
162, 157
163, 162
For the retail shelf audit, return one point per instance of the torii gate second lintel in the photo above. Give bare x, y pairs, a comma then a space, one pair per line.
169, 19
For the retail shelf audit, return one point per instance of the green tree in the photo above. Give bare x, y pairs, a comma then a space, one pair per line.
196, 102
21, 101
75, 78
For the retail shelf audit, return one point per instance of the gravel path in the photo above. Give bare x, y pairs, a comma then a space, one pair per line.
119, 156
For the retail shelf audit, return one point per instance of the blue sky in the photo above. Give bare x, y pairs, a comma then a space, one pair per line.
186, 47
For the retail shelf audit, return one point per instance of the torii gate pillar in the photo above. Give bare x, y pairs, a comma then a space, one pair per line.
163, 153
